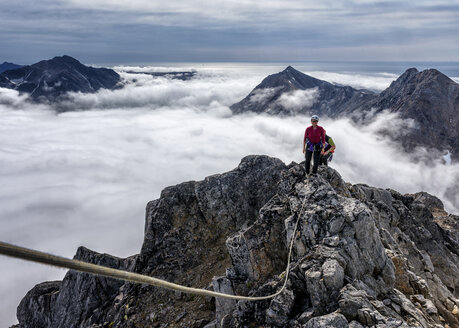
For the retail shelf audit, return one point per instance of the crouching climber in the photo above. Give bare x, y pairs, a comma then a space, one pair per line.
314, 139
329, 149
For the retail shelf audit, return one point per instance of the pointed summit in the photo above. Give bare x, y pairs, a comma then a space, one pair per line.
50, 79
293, 92
431, 99
290, 70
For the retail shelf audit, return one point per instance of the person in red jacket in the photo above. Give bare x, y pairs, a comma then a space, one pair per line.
313, 144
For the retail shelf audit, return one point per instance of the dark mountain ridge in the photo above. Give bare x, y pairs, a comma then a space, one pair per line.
6, 66
429, 98
362, 257
329, 99
184, 76
50, 79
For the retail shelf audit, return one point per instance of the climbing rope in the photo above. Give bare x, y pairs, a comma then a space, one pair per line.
58, 261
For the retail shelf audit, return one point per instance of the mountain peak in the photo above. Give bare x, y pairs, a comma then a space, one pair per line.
66, 59
433, 74
49, 79
411, 70
412, 75
58, 62
273, 95
6, 66
290, 69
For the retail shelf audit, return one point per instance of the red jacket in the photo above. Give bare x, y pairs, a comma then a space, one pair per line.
315, 135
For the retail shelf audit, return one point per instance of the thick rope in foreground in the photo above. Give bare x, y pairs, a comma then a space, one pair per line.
58, 261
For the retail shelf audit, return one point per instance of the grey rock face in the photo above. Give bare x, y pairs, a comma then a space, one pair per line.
35, 309
280, 308
362, 257
333, 275
223, 306
336, 320
50, 79
77, 301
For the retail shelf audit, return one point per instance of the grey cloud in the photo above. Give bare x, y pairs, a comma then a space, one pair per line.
135, 31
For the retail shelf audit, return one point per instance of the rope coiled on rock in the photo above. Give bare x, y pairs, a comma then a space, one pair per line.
58, 261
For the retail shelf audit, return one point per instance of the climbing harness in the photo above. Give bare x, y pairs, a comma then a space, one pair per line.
58, 261
314, 147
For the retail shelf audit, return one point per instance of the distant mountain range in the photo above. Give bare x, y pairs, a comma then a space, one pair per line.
7, 66
184, 76
429, 97
50, 79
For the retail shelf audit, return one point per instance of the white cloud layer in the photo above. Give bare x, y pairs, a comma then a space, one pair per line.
263, 95
375, 82
83, 178
295, 100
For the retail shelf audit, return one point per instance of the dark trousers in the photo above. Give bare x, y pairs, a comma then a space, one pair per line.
324, 159
309, 155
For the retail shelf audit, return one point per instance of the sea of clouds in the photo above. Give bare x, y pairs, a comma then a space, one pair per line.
84, 177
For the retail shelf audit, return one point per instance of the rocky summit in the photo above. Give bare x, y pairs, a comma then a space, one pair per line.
362, 257
51, 79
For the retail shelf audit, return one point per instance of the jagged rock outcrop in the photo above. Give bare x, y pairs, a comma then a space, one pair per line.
78, 301
362, 257
292, 92
50, 79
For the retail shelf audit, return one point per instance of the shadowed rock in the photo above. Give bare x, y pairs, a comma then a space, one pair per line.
362, 257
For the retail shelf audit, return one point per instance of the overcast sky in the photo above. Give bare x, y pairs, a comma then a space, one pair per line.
145, 31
